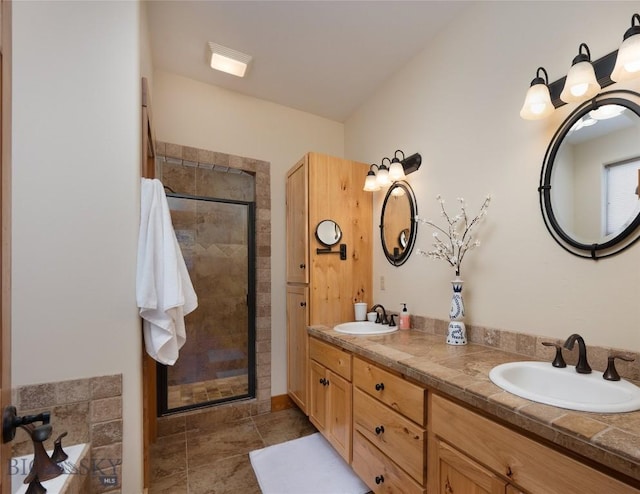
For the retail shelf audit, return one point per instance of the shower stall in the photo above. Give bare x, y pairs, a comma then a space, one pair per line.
215, 228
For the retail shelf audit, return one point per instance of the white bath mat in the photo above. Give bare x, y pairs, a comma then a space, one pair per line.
308, 465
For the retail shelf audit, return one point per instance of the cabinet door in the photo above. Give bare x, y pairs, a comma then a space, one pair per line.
339, 415
297, 197
297, 345
318, 396
458, 474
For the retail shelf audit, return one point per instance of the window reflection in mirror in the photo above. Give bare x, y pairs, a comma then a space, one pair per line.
397, 223
595, 174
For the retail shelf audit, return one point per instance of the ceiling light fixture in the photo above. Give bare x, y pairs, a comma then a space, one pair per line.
228, 60
380, 175
620, 65
581, 83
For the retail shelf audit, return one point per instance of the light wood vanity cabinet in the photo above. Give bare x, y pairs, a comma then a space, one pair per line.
330, 404
298, 343
470, 453
321, 187
389, 450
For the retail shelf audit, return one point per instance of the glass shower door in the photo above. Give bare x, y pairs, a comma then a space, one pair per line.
217, 362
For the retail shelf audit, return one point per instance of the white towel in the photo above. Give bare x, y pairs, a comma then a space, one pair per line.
163, 288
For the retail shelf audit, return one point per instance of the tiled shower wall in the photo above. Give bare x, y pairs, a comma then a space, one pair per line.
90, 411
193, 176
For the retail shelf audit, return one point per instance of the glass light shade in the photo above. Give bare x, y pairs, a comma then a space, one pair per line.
537, 103
581, 83
370, 183
628, 60
382, 176
396, 172
397, 192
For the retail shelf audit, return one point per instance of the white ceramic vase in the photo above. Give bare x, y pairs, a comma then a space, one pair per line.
457, 334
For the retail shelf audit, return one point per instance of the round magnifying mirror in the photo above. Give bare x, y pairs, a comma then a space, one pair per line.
591, 175
328, 233
398, 227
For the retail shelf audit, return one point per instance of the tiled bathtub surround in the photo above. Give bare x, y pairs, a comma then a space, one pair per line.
90, 411
194, 177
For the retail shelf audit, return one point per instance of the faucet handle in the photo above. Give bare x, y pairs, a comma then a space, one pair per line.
558, 361
611, 374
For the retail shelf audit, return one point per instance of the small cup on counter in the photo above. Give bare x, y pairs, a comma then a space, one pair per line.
360, 309
371, 316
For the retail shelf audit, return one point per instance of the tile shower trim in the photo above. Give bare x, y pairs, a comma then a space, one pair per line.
262, 172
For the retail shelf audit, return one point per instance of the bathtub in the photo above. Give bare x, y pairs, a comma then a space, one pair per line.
75, 468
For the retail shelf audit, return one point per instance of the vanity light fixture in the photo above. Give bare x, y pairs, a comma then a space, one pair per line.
380, 175
537, 102
581, 83
396, 172
628, 61
228, 60
617, 66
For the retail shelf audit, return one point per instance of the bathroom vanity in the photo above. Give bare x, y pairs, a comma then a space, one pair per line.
426, 418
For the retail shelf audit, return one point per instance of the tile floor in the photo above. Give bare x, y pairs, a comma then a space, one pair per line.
181, 395
215, 459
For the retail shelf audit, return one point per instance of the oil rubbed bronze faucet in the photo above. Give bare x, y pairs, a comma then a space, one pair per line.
380, 319
582, 366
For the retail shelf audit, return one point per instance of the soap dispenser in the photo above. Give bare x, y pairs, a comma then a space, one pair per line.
405, 322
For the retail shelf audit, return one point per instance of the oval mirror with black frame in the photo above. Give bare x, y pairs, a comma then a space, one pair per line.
328, 233
398, 227
590, 178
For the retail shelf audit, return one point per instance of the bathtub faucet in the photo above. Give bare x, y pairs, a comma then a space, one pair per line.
43, 468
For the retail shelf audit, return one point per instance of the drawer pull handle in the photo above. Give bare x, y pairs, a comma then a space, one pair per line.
379, 430
324, 382
303, 304
379, 479
509, 472
379, 386
302, 266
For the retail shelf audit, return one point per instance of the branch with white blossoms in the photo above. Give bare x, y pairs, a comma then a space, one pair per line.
457, 236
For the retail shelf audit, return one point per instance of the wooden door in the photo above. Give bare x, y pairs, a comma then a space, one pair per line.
458, 474
339, 415
297, 345
297, 223
318, 396
5, 229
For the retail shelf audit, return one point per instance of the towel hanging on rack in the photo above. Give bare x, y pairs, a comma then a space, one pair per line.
164, 291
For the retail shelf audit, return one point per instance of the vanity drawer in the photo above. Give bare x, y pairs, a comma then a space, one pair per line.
526, 463
380, 473
401, 440
333, 358
401, 395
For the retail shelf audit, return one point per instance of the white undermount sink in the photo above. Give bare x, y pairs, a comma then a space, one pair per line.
364, 327
565, 388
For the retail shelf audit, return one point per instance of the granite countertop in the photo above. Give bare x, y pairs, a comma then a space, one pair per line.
462, 372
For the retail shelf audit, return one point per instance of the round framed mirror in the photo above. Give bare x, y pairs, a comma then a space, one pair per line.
328, 233
590, 178
398, 227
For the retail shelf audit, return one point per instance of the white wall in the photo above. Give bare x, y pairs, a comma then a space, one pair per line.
194, 114
76, 152
457, 104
